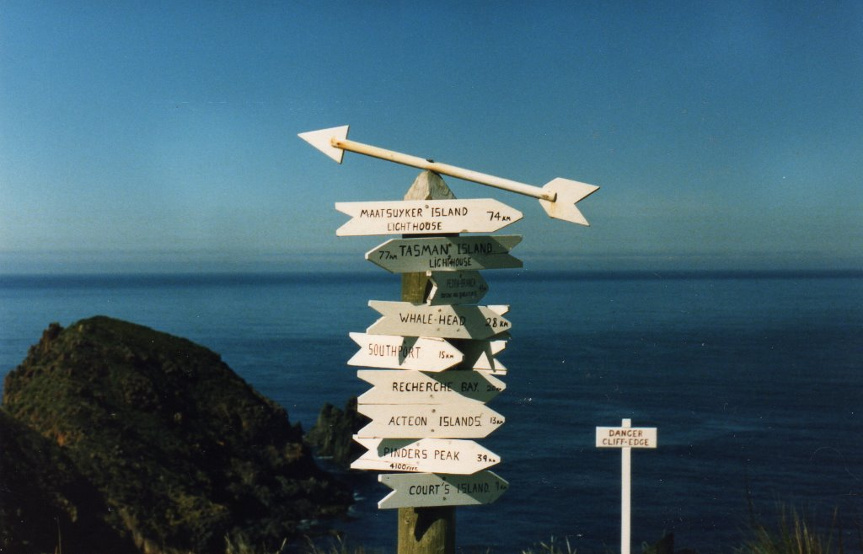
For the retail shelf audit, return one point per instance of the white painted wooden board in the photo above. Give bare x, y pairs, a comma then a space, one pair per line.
424, 490
458, 420
422, 217
417, 387
480, 355
446, 254
626, 437
398, 352
453, 456
422, 320
456, 287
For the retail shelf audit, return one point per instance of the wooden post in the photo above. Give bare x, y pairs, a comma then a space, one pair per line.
425, 530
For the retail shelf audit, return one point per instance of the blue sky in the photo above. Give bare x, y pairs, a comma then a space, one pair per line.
147, 136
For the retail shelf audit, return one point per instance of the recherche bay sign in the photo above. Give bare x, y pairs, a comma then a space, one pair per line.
418, 387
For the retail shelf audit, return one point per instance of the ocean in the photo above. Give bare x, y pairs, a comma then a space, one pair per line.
754, 382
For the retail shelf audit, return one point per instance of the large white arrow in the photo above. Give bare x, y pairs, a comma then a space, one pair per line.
558, 197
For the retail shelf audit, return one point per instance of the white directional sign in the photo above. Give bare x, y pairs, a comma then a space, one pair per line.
457, 287
422, 320
417, 387
457, 420
398, 352
422, 217
454, 456
626, 437
557, 197
446, 254
480, 354
429, 489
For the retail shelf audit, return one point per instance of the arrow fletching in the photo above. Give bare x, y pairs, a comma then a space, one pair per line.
566, 194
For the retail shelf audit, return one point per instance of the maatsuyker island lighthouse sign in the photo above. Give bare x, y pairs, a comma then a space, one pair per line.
431, 356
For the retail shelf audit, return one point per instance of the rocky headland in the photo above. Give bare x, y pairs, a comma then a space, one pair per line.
118, 438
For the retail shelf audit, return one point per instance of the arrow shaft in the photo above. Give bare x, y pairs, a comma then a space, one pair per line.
443, 169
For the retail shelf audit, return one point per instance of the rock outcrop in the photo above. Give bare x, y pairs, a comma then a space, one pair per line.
332, 435
167, 449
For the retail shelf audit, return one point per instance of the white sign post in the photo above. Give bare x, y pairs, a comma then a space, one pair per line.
430, 489
418, 420
453, 322
457, 287
424, 217
398, 352
452, 456
420, 387
446, 254
625, 438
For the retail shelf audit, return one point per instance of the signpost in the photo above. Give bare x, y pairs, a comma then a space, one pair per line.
423, 217
422, 320
452, 456
431, 396
417, 387
626, 438
446, 254
397, 352
458, 287
442, 490
458, 420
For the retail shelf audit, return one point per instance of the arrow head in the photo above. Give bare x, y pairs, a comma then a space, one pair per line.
323, 140
567, 193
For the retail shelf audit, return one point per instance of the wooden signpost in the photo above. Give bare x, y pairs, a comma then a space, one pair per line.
446, 254
425, 217
625, 438
419, 387
431, 394
397, 352
452, 456
462, 420
442, 490
454, 322
458, 287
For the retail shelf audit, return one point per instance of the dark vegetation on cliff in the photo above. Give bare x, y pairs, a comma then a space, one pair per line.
142, 441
